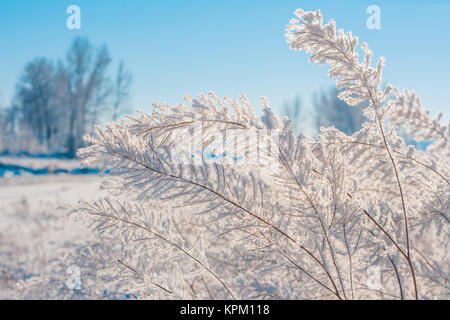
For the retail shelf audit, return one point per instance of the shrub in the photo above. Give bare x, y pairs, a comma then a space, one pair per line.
197, 215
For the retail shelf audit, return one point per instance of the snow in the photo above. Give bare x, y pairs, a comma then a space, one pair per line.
41, 162
36, 224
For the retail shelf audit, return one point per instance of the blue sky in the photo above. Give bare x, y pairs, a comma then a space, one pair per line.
232, 47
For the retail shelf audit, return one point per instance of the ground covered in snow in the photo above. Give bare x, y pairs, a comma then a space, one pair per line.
38, 226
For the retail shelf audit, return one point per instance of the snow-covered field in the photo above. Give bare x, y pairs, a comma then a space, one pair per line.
36, 223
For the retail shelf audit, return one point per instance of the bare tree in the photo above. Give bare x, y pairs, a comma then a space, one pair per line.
35, 92
331, 111
293, 111
86, 78
56, 104
121, 90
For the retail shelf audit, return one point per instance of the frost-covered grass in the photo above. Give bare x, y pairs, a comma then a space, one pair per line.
360, 216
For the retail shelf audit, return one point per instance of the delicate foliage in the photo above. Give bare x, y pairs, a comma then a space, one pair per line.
406, 111
196, 216
359, 80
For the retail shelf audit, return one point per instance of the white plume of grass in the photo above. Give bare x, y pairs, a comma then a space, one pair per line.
307, 220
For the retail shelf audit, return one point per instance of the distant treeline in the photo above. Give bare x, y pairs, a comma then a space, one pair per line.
328, 111
57, 103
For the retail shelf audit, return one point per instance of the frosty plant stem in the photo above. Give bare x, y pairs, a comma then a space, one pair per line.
237, 205
152, 232
312, 226
405, 216
359, 81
